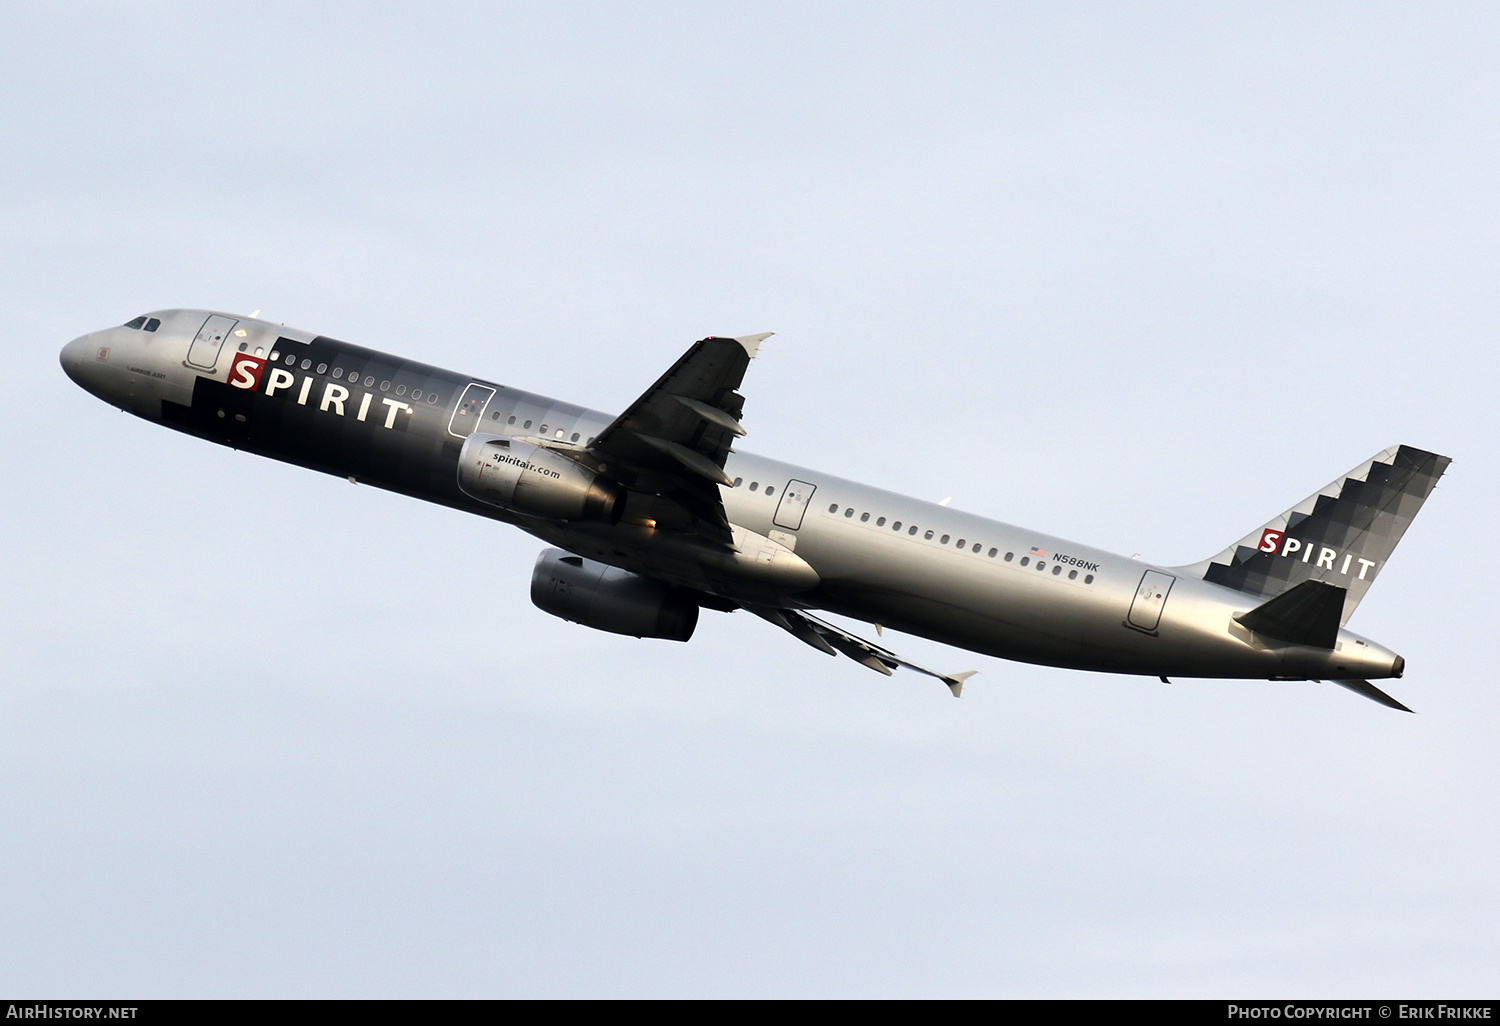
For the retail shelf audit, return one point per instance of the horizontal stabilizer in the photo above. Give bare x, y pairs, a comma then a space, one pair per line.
1374, 694
1307, 614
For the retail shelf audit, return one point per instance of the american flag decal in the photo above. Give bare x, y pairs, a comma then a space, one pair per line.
1038, 552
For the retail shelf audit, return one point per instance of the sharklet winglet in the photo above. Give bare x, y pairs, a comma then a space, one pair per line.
955, 681
752, 342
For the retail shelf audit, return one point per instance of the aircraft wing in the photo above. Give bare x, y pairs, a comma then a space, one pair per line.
825, 637
669, 447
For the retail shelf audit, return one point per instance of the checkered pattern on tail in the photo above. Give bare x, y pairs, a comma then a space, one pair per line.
1342, 534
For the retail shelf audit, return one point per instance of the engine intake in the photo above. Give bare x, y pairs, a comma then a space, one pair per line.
610, 599
529, 479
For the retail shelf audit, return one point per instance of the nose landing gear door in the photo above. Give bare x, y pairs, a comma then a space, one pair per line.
204, 352
794, 499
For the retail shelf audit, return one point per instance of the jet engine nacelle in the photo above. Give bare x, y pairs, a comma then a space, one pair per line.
610, 599
529, 479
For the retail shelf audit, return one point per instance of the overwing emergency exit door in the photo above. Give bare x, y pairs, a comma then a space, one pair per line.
466, 417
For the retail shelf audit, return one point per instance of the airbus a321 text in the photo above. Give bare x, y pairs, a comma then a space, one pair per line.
653, 515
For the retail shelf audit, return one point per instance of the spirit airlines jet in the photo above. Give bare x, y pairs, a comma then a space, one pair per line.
654, 515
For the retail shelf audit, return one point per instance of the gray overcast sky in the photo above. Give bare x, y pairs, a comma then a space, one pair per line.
1138, 275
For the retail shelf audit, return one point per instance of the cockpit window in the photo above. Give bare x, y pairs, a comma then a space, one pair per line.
138, 323
153, 324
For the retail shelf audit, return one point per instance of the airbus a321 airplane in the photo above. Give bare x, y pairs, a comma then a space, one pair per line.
655, 516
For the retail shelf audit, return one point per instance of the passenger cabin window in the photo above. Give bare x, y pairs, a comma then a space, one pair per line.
864, 518
755, 486
834, 508
849, 512
737, 481
574, 438
896, 526
244, 346
912, 530
306, 364
770, 490
512, 420
338, 372
322, 368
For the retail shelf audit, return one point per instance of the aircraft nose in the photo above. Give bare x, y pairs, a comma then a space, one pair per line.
89, 360
74, 356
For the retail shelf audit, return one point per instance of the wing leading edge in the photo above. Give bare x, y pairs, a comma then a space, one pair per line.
669, 447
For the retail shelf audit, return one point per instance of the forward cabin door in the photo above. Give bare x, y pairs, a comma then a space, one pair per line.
204, 352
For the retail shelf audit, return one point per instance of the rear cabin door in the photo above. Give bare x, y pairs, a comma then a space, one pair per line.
1150, 598
470, 410
204, 352
794, 499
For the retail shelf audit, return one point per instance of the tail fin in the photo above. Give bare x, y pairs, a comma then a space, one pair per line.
1341, 535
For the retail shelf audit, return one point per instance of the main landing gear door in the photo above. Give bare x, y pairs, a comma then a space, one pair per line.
204, 352
470, 410
794, 499
1150, 597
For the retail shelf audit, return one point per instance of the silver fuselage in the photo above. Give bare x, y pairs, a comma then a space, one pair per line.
1005, 591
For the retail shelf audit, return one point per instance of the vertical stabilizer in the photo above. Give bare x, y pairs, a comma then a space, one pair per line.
1341, 535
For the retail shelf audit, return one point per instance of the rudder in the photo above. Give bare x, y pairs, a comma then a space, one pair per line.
1340, 535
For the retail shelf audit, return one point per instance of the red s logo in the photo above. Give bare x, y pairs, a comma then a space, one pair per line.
244, 372
1270, 540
